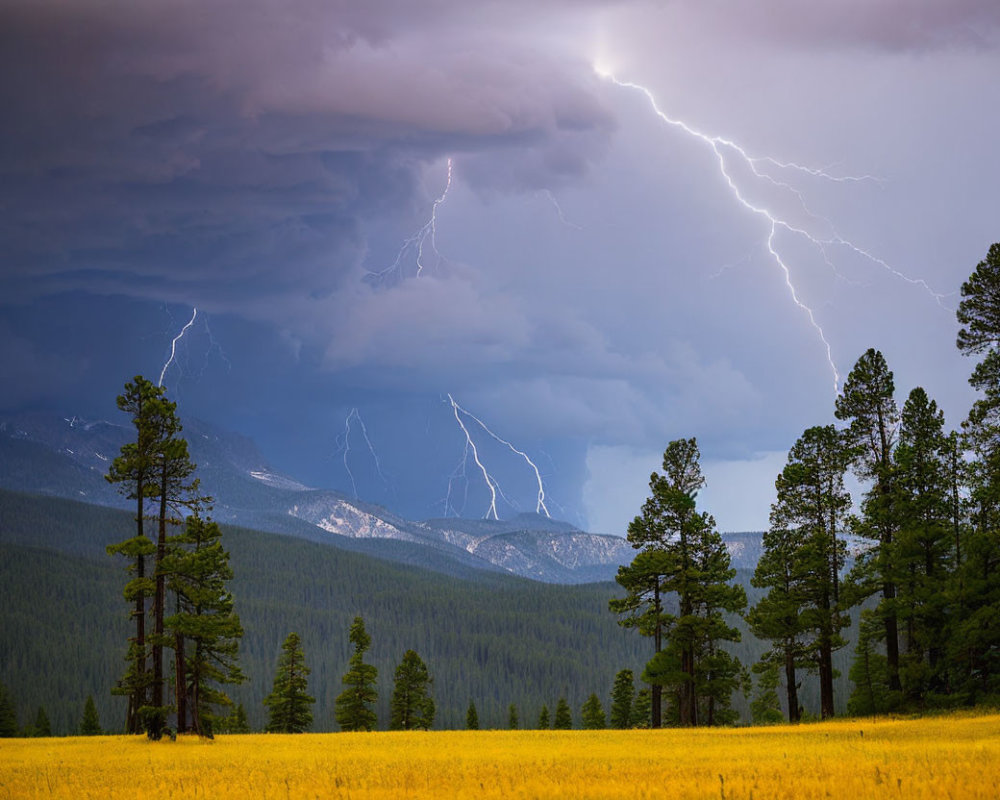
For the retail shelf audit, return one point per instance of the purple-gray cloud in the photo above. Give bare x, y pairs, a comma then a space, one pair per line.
258, 159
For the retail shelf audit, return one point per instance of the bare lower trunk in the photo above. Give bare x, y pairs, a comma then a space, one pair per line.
791, 690
826, 679
180, 683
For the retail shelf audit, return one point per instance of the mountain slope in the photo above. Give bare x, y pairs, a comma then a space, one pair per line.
493, 638
68, 457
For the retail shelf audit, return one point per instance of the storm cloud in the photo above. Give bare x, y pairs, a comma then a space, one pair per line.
593, 285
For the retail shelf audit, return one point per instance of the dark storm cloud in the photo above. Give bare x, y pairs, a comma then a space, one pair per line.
202, 147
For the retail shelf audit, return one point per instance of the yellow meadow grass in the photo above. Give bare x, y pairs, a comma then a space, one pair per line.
946, 757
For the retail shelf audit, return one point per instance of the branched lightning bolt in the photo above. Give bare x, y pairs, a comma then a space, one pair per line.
344, 447
757, 165
424, 237
540, 507
471, 445
173, 345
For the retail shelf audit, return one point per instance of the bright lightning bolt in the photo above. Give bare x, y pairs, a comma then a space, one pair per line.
345, 448
722, 147
471, 445
173, 345
540, 507
425, 237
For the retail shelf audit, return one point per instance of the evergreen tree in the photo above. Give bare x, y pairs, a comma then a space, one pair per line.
802, 614
622, 699
411, 706
869, 672
564, 717
288, 702
8, 714
90, 724
923, 548
642, 709
472, 717
765, 707
236, 722
592, 714
513, 721
868, 405
239, 723
134, 473
543, 718
353, 707
42, 725
199, 572
177, 492
684, 554
974, 644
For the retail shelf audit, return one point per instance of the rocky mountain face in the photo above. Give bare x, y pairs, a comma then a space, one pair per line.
68, 457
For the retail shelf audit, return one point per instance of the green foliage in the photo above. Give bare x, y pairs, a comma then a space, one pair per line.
8, 714
642, 708
472, 718
236, 722
681, 552
411, 705
802, 614
353, 709
513, 720
42, 725
90, 724
288, 702
498, 639
199, 575
543, 718
563, 720
868, 404
765, 707
592, 715
869, 672
622, 699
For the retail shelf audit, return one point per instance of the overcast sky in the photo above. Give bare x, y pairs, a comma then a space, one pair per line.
375, 205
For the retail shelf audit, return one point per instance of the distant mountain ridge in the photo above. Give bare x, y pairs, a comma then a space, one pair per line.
67, 456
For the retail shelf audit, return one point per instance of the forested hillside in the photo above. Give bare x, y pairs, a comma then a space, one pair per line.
490, 638
496, 639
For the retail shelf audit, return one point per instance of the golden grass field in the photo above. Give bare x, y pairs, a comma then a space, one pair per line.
943, 757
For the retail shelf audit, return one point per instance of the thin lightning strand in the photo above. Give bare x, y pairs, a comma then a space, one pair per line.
345, 448
173, 345
720, 146
471, 445
540, 504
431, 226
559, 212
417, 241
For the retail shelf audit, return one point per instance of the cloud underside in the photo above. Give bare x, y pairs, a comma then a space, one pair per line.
261, 159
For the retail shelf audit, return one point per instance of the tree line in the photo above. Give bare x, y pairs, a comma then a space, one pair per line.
919, 554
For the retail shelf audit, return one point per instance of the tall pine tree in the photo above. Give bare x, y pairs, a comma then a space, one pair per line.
867, 404
288, 702
683, 553
205, 621
803, 613
133, 471
411, 705
353, 707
